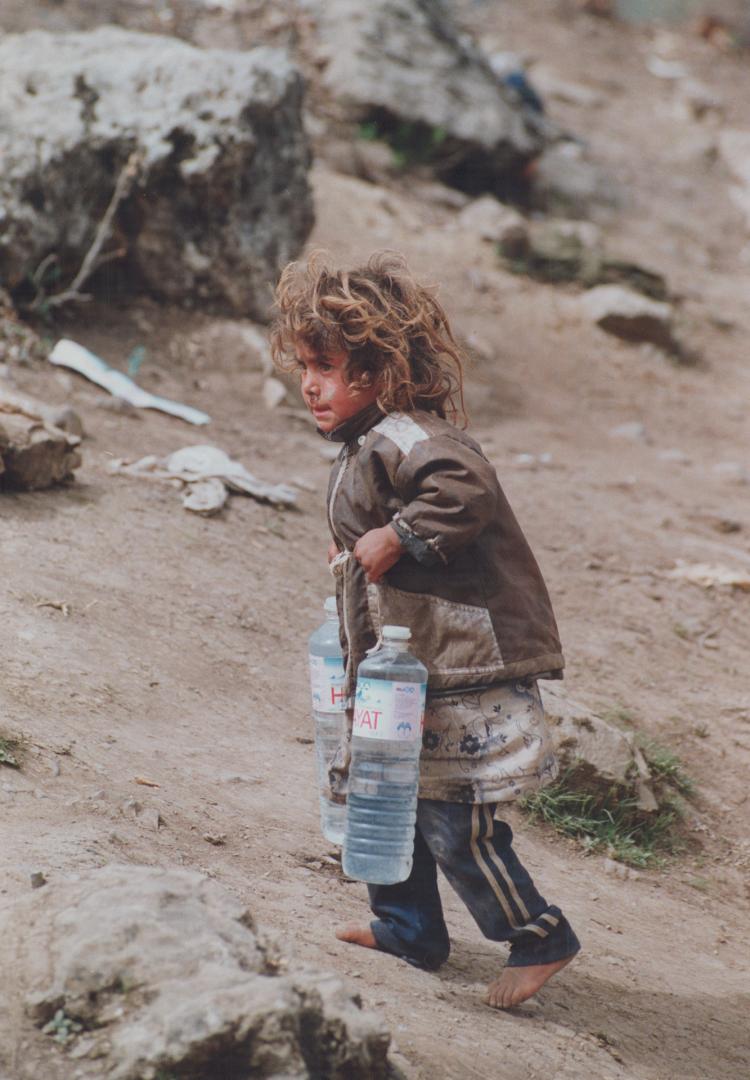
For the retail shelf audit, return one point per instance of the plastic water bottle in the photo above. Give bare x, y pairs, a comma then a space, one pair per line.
384, 770
327, 687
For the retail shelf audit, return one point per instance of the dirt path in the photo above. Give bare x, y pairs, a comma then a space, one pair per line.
182, 658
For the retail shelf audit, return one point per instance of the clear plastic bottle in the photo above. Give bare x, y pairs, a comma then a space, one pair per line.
384, 770
327, 687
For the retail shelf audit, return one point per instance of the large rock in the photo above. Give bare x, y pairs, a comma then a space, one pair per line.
630, 316
135, 973
557, 251
566, 182
35, 453
221, 201
404, 65
595, 755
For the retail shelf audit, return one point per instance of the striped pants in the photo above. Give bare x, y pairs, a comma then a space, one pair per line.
474, 852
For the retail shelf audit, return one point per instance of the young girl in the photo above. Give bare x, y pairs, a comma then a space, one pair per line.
424, 537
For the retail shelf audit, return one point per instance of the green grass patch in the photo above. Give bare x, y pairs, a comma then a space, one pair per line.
666, 767
412, 142
619, 715
10, 751
613, 824
609, 819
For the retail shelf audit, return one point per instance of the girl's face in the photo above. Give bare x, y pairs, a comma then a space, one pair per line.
328, 397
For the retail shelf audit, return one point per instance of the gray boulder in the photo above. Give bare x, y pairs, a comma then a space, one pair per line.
403, 65
630, 316
220, 200
559, 251
566, 182
596, 755
134, 973
34, 453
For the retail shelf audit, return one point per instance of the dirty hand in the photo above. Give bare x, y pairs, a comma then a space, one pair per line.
377, 551
333, 551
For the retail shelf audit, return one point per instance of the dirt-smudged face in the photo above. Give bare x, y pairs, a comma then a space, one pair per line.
327, 395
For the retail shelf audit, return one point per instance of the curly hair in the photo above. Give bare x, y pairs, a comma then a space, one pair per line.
394, 332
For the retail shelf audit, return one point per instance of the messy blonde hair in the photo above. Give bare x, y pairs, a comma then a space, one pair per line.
395, 333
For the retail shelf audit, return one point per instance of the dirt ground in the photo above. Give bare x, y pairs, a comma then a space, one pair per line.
180, 658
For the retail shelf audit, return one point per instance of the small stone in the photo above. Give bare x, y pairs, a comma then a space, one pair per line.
131, 808
274, 393
634, 431
37, 879
217, 839
677, 456
492, 221
732, 470
151, 818
67, 419
117, 405
695, 100
629, 315
616, 869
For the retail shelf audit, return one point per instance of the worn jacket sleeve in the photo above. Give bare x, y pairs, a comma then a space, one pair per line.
450, 494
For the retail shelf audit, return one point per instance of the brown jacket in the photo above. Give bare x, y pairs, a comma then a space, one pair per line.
467, 584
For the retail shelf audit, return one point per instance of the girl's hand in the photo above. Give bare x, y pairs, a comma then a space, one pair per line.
377, 551
333, 551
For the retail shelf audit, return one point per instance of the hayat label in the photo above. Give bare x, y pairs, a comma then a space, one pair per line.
327, 684
389, 710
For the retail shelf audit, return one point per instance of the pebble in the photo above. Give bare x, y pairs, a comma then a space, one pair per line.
67, 419
678, 456
117, 405
532, 461
619, 870
274, 393
732, 470
634, 431
152, 818
37, 879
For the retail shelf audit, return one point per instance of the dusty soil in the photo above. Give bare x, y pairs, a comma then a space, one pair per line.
180, 657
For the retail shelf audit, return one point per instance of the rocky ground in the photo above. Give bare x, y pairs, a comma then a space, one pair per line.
154, 661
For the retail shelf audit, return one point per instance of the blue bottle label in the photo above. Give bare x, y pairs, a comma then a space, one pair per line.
389, 710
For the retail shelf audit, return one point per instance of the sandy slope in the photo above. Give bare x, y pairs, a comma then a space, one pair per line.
182, 660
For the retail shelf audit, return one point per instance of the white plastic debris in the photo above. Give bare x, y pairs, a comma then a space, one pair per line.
532, 461
711, 576
195, 465
666, 69
206, 497
70, 354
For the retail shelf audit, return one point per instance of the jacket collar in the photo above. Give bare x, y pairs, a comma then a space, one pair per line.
356, 425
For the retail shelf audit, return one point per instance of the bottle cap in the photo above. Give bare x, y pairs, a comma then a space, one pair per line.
329, 605
397, 633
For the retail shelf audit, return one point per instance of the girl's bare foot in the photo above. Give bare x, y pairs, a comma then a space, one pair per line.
516, 984
357, 935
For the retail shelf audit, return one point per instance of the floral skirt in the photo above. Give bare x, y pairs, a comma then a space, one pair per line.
487, 745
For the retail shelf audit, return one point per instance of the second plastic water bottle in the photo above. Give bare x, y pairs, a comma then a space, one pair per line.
384, 771
326, 684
